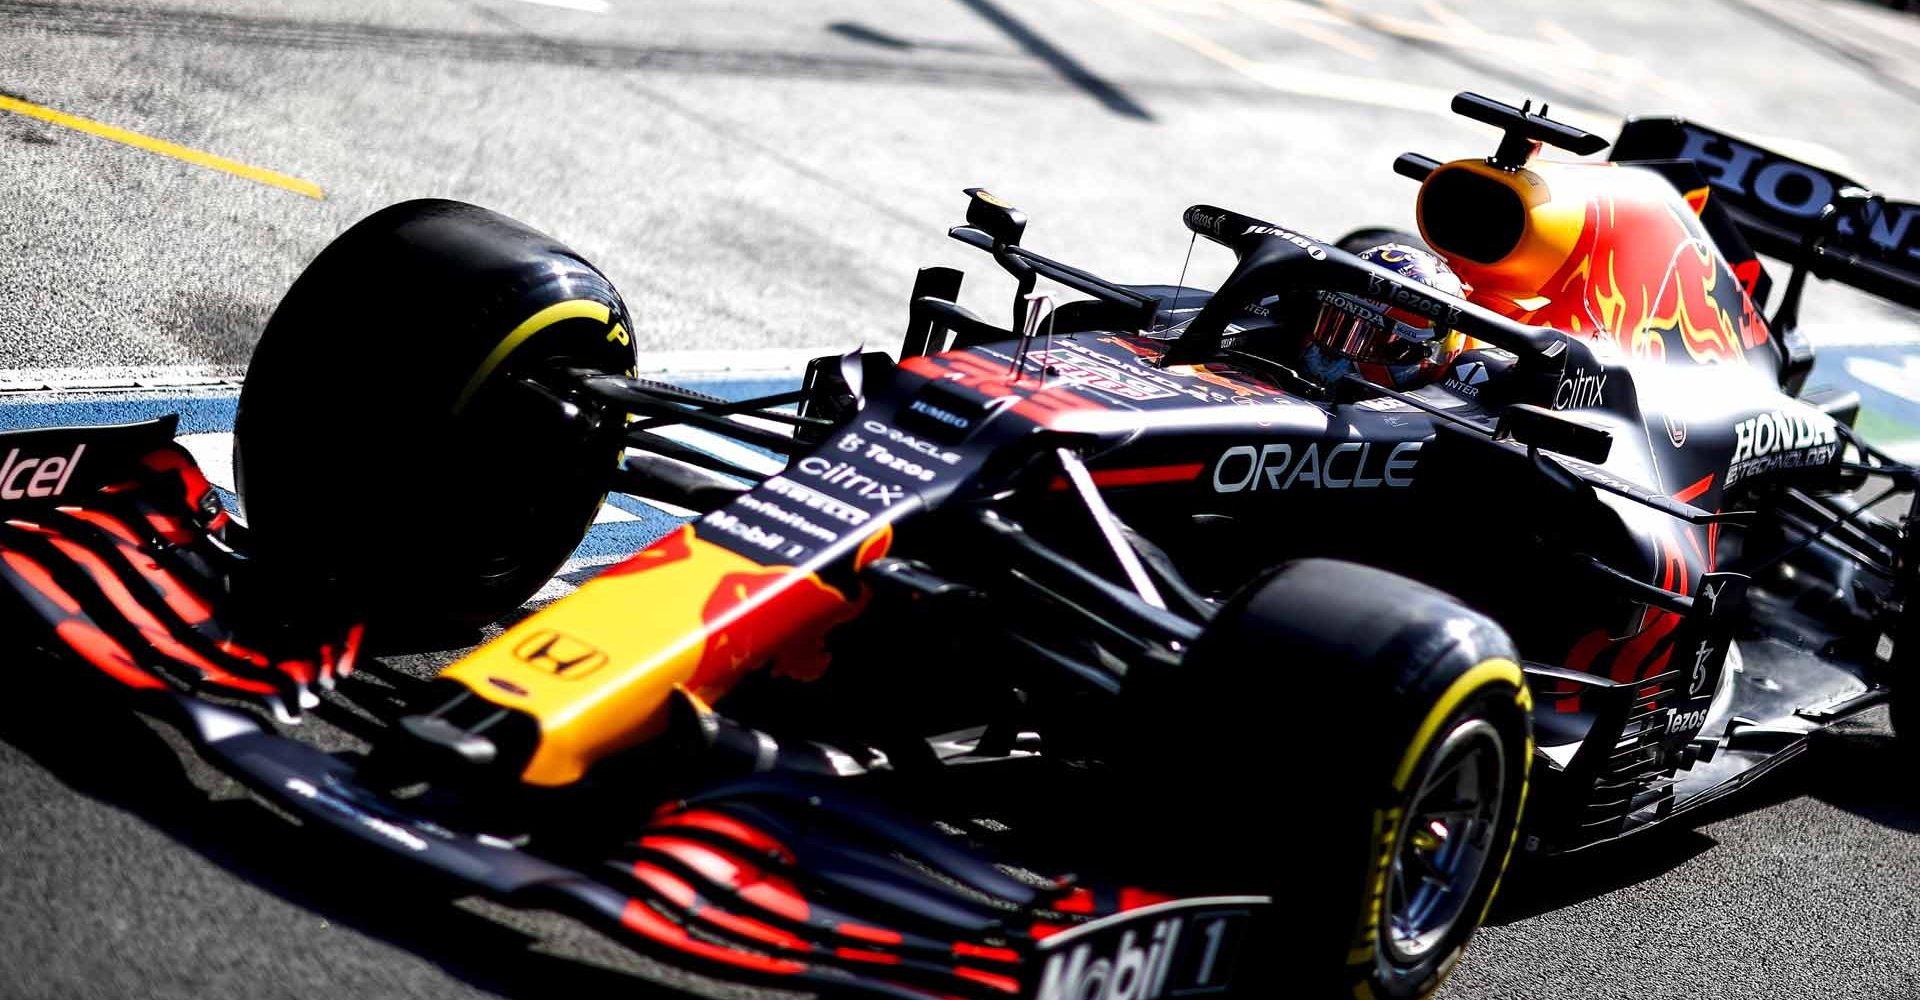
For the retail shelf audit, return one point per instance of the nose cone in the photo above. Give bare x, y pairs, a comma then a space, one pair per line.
596, 671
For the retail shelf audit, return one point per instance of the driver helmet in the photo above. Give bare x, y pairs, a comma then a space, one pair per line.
1383, 343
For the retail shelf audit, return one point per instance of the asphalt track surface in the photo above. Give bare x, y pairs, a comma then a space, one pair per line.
769, 175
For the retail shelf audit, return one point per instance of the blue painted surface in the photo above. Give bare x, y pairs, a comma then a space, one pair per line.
213, 412
198, 414
1895, 394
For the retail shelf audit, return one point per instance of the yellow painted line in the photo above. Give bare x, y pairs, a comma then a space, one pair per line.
164, 148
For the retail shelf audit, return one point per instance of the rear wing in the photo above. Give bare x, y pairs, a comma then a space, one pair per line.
1778, 205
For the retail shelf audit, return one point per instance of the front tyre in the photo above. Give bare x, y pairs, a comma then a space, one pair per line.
1445, 839
1396, 724
388, 441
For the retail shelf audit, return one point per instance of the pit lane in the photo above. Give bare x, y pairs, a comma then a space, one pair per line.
758, 176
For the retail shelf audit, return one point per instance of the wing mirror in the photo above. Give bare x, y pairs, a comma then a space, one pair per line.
1539, 427
994, 217
1003, 224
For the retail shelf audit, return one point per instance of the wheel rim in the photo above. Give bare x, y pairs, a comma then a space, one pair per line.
1445, 842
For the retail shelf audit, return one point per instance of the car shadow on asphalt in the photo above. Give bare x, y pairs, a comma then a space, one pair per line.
1534, 886
1846, 767
1867, 774
118, 758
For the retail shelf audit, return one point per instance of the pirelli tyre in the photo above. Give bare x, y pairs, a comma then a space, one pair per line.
386, 443
1363, 741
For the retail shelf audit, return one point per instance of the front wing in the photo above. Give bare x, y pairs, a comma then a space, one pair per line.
131, 568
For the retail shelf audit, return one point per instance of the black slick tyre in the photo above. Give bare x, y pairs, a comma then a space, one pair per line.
1364, 742
387, 448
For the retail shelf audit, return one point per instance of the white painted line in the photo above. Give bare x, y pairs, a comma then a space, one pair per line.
779, 362
609, 514
768, 361
721, 448
664, 507
213, 453
553, 589
761, 423
1902, 380
1902, 451
131, 378
1899, 380
556, 588
1863, 334
589, 6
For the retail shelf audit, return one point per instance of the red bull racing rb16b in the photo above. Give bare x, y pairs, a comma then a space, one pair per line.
1165, 642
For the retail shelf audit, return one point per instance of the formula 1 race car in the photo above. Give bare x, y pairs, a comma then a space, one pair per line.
1112, 654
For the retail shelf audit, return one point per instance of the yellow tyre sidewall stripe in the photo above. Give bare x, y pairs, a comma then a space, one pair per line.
557, 313
1387, 822
1463, 687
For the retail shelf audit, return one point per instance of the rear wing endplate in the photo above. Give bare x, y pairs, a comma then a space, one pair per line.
1778, 202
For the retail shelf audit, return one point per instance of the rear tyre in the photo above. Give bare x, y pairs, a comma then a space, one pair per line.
1395, 724
385, 443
